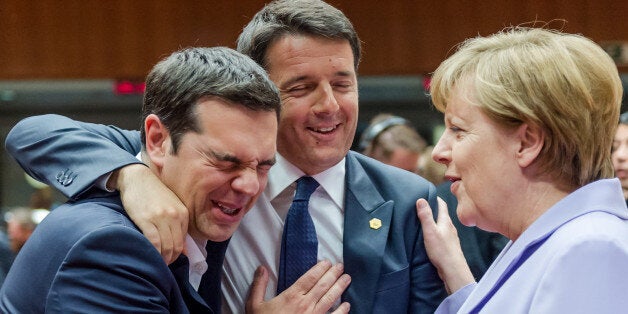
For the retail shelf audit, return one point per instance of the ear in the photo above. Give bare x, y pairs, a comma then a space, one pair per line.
157, 140
531, 139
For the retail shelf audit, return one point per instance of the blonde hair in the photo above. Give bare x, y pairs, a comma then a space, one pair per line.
563, 83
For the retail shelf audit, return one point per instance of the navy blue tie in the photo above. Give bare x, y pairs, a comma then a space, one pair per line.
299, 245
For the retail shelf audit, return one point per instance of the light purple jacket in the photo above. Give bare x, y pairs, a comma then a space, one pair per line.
581, 265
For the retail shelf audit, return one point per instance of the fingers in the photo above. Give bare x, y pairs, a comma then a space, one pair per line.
333, 294
258, 289
155, 209
424, 212
315, 292
151, 233
322, 285
443, 213
329, 287
343, 308
165, 233
305, 283
173, 237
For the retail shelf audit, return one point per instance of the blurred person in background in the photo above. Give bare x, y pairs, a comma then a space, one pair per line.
21, 222
394, 141
6, 255
620, 153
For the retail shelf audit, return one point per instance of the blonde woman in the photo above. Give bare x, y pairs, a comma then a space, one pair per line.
530, 116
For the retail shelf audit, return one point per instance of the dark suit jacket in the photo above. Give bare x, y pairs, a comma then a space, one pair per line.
88, 257
389, 267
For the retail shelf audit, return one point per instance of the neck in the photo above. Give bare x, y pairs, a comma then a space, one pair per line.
535, 199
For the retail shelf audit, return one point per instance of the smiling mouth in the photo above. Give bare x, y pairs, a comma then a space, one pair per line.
227, 210
324, 130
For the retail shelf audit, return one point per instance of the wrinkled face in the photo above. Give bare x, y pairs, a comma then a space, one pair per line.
620, 155
319, 96
480, 160
219, 173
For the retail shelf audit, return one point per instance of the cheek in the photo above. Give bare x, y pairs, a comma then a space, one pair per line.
349, 104
295, 109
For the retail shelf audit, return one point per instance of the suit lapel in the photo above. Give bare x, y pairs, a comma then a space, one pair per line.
193, 301
366, 227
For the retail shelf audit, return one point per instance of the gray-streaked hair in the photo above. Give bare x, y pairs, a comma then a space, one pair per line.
175, 85
295, 17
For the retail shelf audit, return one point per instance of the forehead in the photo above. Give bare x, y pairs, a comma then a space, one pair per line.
295, 52
461, 103
233, 125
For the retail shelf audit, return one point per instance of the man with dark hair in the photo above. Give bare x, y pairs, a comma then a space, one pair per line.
362, 211
209, 126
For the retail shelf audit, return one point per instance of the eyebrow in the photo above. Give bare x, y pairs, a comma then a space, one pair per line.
305, 77
230, 158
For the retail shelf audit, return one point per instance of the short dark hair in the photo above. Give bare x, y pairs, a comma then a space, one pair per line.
176, 83
293, 17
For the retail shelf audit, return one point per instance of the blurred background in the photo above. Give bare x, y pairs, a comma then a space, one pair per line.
87, 59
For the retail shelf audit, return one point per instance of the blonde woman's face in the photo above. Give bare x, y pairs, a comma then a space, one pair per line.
480, 159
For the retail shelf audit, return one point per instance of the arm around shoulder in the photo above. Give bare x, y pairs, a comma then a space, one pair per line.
70, 155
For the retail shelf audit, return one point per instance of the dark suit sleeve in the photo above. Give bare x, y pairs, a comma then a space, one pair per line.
70, 155
428, 290
112, 270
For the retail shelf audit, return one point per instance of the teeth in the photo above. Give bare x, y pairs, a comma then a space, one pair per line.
226, 210
324, 130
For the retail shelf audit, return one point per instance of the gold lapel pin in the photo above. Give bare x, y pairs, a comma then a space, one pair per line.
375, 223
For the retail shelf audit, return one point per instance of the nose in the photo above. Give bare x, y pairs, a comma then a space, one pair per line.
326, 102
442, 152
246, 182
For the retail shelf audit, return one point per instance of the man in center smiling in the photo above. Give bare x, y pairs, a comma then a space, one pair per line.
363, 210
311, 52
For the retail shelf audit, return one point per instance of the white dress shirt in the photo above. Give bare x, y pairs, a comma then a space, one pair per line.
257, 240
197, 257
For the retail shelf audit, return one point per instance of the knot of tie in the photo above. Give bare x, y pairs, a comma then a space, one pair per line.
305, 187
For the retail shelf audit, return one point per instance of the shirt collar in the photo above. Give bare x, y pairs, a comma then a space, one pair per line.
195, 251
284, 173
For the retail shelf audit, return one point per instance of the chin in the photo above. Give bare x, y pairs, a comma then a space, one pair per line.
220, 235
465, 218
220, 238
